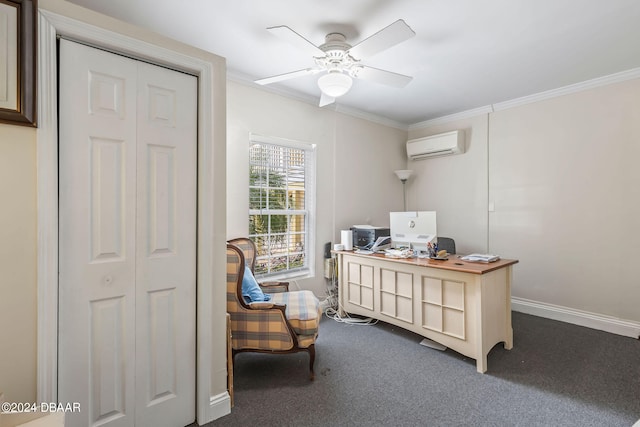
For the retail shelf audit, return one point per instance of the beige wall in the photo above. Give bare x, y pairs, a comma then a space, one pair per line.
563, 177
455, 186
18, 305
354, 170
366, 188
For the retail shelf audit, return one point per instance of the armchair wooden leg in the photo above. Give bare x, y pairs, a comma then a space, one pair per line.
312, 359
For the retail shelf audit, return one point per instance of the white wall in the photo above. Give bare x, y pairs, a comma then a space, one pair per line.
355, 163
454, 186
563, 175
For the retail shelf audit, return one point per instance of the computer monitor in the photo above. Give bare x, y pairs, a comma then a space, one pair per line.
413, 229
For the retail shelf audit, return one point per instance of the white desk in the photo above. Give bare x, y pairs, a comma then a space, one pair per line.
462, 305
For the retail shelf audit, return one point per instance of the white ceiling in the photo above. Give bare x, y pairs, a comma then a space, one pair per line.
467, 54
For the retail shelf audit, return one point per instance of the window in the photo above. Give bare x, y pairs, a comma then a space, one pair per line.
281, 206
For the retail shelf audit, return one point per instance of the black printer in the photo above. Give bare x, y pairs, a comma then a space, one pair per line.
364, 236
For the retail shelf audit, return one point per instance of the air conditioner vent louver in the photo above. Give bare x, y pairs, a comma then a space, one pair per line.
437, 145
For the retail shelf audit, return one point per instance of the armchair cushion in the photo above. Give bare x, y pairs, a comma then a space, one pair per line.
250, 290
303, 310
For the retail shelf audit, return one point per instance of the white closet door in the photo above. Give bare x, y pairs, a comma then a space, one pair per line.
97, 235
166, 247
127, 328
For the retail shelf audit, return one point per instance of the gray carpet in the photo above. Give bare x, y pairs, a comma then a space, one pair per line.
557, 374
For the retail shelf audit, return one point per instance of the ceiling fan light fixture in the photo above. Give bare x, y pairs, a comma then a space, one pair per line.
335, 83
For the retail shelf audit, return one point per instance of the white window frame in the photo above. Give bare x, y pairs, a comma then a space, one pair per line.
310, 205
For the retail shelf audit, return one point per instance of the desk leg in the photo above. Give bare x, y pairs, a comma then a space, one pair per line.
341, 285
481, 364
508, 343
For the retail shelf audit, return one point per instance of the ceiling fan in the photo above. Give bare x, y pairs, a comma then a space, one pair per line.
341, 62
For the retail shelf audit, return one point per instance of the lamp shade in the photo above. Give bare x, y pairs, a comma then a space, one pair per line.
335, 83
403, 174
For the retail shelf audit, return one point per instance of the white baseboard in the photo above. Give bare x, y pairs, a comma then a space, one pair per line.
627, 328
219, 406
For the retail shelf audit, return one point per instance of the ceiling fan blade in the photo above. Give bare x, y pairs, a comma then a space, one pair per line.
382, 76
287, 34
389, 36
326, 99
287, 76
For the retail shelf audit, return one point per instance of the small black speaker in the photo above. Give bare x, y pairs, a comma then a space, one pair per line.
327, 250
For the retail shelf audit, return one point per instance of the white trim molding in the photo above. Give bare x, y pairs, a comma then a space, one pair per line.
59, 18
601, 322
529, 99
566, 90
220, 405
47, 195
453, 117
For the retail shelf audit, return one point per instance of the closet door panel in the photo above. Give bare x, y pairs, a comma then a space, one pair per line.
97, 235
166, 246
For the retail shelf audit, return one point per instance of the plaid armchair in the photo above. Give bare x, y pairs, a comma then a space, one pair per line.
286, 324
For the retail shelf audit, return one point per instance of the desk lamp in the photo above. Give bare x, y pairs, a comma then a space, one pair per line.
404, 175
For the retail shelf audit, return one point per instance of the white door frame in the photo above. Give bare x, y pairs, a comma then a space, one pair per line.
59, 18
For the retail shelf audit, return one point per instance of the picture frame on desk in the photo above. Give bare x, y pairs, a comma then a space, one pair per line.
18, 62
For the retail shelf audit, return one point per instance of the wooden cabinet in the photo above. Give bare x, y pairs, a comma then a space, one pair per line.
464, 306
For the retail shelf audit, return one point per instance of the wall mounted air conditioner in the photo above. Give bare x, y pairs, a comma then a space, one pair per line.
436, 145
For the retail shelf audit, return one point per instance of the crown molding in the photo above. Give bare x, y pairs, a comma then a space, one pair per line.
245, 80
529, 99
354, 112
566, 90
452, 117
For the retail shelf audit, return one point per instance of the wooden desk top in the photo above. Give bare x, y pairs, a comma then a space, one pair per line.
454, 263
